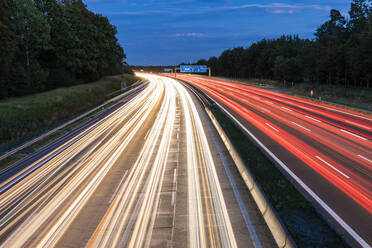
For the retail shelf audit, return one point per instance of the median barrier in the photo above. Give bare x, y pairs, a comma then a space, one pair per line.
277, 229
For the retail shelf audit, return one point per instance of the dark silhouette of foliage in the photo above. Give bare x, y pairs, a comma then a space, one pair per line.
8, 46
341, 53
46, 44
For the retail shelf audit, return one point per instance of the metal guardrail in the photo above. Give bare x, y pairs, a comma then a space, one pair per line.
33, 141
278, 231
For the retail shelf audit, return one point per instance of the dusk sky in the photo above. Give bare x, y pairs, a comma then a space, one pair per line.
163, 32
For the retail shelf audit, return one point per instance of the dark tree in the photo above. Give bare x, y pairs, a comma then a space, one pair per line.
8, 47
46, 44
341, 53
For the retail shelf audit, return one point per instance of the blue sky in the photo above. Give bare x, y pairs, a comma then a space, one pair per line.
163, 32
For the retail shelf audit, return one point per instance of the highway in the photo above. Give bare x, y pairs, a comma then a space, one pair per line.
150, 173
325, 150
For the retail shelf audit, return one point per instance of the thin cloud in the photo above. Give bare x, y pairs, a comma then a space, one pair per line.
139, 13
275, 8
279, 8
190, 35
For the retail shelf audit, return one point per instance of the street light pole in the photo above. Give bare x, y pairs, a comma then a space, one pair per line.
175, 71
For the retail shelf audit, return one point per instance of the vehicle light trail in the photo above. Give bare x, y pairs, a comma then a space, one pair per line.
109, 180
353, 189
223, 221
333, 142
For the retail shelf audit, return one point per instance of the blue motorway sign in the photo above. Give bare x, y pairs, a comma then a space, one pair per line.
200, 68
167, 69
187, 68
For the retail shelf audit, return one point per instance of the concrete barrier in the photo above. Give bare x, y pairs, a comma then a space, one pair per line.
278, 231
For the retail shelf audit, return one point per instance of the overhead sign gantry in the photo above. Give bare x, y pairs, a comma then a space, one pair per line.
193, 69
200, 68
187, 68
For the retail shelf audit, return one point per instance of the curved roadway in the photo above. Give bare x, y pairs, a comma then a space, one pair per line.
150, 173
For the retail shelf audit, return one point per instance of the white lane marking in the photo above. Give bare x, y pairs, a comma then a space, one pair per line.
316, 198
272, 127
98, 131
226, 232
340, 111
361, 156
287, 109
67, 216
309, 103
332, 167
174, 186
313, 118
301, 126
353, 134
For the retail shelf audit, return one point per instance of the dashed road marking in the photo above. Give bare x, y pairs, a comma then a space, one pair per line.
353, 134
174, 186
272, 127
361, 156
332, 167
313, 118
301, 126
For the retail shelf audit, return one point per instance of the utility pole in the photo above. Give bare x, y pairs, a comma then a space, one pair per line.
209, 71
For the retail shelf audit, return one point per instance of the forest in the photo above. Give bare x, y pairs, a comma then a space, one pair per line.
47, 44
340, 53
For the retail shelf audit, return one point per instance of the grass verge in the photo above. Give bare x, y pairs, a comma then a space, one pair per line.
304, 223
352, 97
26, 117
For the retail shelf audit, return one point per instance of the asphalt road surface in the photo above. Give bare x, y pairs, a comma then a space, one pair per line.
326, 150
149, 173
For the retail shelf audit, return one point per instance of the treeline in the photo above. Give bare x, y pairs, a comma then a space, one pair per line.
341, 53
46, 44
